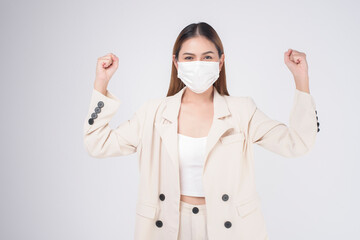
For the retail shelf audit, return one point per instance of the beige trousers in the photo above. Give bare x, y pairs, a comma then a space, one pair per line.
192, 222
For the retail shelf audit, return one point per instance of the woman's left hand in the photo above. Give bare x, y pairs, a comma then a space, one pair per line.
296, 62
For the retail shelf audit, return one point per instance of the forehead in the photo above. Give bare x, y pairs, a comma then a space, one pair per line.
197, 44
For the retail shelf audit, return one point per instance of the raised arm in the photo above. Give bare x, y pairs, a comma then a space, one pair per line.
100, 140
299, 137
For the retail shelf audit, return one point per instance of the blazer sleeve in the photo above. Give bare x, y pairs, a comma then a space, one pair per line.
100, 140
289, 141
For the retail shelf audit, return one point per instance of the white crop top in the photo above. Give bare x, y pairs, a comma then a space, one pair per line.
191, 160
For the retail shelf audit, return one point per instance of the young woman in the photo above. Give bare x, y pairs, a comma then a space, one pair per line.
195, 145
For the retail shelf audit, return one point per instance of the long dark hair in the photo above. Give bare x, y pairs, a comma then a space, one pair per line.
190, 31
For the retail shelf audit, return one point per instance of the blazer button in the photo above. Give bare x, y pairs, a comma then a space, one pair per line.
318, 130
315, 112
317, 118
159, 223
162, 197
93, 115
227, 224
195, 210
225, 197
318, 124
100, 104
91, 121
97, 110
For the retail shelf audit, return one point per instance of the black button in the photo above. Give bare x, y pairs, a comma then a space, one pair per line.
315, 111
159, 223
227, 224
97, 110
162, 197
318, 130
317, 118
195, 210
91, 121
225, 197
318, 124
100, 104
93, 115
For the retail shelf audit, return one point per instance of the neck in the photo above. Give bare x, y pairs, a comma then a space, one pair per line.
192, 97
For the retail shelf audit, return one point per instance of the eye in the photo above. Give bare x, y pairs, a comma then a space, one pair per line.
187, 58
209, 57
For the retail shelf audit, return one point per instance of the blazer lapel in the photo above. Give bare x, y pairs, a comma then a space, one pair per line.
167, 128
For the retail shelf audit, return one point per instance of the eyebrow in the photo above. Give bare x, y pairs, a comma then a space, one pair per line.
202, 54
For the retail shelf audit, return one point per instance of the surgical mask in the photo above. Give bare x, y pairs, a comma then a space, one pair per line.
198, 75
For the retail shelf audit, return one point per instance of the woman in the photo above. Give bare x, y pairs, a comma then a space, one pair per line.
195, 145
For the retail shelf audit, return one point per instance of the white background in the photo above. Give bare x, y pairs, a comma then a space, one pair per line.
50, 188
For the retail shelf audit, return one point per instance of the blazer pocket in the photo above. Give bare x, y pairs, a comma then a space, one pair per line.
232, 138
146, 210
245, 208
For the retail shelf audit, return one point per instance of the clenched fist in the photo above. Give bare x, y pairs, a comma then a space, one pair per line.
296, 62
105, 68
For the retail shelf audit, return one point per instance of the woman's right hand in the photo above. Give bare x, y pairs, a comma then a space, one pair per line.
105, 68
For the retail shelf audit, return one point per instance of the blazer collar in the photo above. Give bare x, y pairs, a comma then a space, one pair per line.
168, 129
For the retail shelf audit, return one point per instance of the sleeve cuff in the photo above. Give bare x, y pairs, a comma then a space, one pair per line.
109, 97
304, 98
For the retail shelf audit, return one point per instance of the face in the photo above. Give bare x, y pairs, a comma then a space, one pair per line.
199, 49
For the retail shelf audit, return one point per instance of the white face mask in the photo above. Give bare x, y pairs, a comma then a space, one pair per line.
198, 75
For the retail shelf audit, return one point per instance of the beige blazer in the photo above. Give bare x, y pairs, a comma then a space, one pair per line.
232, 202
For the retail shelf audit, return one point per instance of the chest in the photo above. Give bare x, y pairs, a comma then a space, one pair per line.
195, 120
